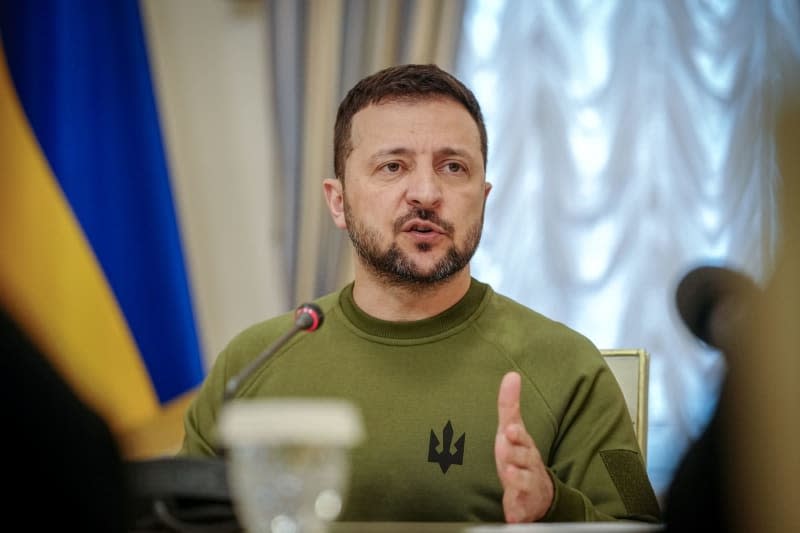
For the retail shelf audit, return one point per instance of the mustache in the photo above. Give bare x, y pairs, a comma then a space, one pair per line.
423, 214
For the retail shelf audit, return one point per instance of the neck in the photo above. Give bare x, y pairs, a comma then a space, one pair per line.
398, 303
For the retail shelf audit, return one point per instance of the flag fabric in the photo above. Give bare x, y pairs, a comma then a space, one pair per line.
91, 261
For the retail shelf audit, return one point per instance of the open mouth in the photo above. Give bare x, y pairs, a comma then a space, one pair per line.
422, 227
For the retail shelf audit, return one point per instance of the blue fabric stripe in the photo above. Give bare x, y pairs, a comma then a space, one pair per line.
82, 73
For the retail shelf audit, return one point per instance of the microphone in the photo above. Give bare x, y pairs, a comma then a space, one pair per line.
307, 316
714, 303
187, 492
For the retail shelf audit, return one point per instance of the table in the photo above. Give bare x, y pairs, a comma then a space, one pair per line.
474, 527
458, 527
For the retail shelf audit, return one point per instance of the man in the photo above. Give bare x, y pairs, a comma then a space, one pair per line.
421, 347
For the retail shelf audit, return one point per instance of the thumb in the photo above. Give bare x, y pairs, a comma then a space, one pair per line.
508, 411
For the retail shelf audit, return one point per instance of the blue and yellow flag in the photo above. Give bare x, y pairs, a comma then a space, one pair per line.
91, 263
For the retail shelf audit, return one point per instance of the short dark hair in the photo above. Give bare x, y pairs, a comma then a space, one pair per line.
403, 83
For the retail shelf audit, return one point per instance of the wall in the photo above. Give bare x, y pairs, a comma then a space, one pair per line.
209, 63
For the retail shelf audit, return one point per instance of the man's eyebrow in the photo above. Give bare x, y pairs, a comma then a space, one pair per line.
449, 151
380, 154
400, 150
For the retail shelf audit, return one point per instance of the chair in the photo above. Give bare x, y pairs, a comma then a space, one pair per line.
631, 368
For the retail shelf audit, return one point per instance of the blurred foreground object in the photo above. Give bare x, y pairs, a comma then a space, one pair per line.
179, 494
63, 463
715, 303
743, 473
289, 461
762, 413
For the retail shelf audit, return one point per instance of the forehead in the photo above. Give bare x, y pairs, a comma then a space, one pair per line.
418, 124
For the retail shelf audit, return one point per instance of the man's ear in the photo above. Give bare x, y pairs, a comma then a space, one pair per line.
334, 197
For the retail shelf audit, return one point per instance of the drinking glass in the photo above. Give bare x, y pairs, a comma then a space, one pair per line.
289, 461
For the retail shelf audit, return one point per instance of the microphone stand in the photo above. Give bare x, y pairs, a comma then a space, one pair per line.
202, 481
305, 320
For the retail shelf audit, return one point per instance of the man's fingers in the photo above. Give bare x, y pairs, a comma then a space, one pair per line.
527, 487
516, 478
515, 512
508, 401
526, 495
521, 456
517, 435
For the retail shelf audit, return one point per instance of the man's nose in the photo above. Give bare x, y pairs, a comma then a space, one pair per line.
424, 188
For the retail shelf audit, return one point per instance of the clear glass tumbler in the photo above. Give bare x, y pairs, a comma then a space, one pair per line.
289, 461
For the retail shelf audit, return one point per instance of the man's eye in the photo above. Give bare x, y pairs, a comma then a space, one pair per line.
454, 167
392, 167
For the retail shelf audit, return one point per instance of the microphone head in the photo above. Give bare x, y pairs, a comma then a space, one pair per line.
308, 316
713, 301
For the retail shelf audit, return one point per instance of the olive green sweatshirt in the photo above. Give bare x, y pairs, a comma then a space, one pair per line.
427, 391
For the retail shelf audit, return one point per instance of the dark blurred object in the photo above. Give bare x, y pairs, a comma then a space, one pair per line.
180, 494
743, 474
63, 468
694, 500
715, 303
762, 422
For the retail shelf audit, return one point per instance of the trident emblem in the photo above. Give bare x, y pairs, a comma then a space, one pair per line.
444, 457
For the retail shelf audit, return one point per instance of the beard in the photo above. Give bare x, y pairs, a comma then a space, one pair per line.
394, 266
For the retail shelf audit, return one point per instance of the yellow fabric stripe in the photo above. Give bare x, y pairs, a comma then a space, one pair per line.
52, 284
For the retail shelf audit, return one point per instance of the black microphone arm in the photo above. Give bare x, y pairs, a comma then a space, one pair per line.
307, 317
191, 493
714, 303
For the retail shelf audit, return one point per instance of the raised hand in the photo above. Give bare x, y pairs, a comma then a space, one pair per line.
527, 487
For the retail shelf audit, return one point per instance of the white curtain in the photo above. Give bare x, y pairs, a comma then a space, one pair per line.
628, 144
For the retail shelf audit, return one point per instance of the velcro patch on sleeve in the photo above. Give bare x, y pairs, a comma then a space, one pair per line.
628, 473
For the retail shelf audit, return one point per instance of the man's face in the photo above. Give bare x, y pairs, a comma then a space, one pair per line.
414, 190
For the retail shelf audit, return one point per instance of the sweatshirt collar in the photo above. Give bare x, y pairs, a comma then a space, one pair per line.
436, 325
